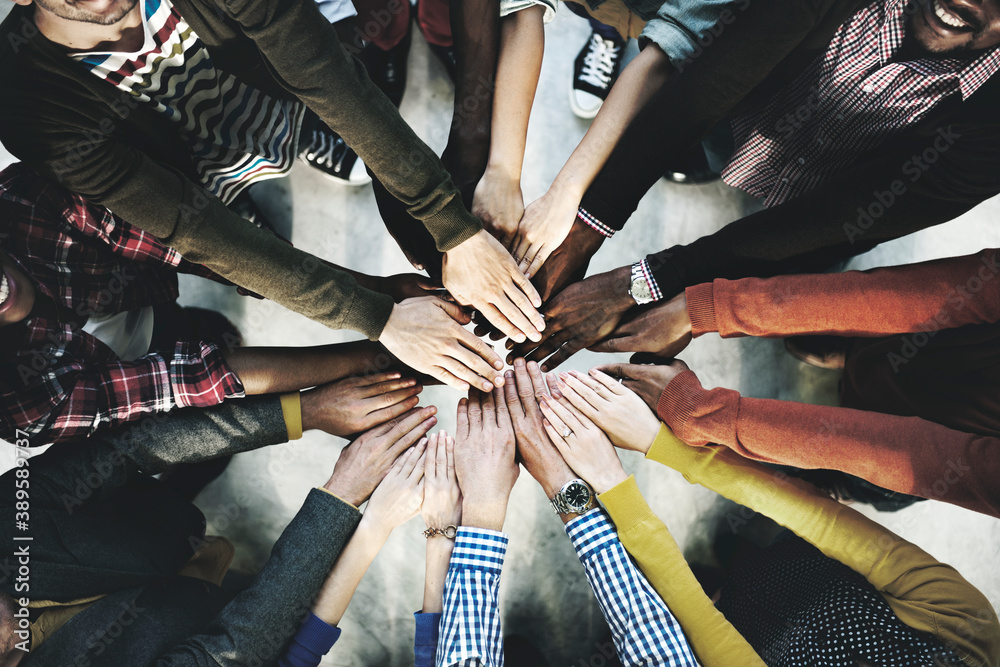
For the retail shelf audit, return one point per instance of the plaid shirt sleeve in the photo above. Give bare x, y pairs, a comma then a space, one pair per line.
644, 631
73, 396
470, 623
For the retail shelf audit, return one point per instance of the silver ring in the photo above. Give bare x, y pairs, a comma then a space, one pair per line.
621, 380
567, 433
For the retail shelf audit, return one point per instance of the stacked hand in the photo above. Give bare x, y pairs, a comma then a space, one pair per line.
365, 462
664, 330
404, 286
583, 445
357, 404
484, 458
399, 495
545, 225
442, 505
617, 411
498, 202
480, 273
647, 376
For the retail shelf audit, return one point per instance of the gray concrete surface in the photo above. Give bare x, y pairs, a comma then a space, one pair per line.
544, 594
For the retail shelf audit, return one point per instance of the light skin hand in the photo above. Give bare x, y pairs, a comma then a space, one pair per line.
664, 330
442, 505
484, 459
616, 410
480, 273
580, 316
398, 496
364, 462
546, 224
499, 204
646, 381
358, 403
523, 389
583, 445
427, 335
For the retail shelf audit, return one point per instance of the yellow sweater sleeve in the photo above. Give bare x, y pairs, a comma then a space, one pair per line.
714, 640
925, 594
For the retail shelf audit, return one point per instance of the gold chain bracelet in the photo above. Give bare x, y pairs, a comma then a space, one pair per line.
447, 531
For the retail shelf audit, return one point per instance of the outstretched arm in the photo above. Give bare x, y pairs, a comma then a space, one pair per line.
498, 200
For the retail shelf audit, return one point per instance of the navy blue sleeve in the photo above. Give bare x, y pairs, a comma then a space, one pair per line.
314, 639
425, 640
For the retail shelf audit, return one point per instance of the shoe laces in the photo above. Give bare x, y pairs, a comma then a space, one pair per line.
599, 62
322, 147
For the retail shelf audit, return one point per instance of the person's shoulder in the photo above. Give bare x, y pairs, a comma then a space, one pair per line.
17, 35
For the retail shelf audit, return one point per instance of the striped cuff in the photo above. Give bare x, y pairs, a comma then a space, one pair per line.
595, 224
479, 548
654, 289
590, 533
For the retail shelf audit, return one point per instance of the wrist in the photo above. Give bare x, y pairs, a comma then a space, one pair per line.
503, 171
555, 479
568, 189
345, 490
488, 514
374, 527
608, 479
619, 283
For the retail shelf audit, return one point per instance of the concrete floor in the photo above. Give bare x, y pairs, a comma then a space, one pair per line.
545, 596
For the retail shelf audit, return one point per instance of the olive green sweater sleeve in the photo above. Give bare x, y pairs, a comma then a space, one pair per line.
716, 643
307, 59
923, 593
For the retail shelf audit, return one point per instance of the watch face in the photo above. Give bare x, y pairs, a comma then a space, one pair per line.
577, 496
640, 289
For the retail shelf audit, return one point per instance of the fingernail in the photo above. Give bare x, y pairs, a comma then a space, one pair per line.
498, 365
536, 336
563, 377
556, 393
545, 369
487, 386
509, 374
519, 337
519, 362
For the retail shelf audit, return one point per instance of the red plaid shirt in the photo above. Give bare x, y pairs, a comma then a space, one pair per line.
60, 382
847, 103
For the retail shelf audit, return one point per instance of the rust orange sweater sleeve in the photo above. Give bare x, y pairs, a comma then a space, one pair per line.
928, 296
905, 454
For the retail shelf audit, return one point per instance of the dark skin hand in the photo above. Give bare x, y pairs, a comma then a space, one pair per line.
647, 375
580, 316
568, 264
663, 330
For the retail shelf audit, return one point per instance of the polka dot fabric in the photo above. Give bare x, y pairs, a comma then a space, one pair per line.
799, 608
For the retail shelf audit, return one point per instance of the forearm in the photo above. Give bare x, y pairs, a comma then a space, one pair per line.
268, 370
522, 41
634, 87
475, 27
339, 587
905, 454
901, 299
715, 642
923, 593
644, 630
436, 571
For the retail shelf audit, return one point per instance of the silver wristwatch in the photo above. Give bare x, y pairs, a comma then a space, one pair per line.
575, 497
638, 286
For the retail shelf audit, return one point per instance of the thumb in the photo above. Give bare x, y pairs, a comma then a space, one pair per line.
455, 312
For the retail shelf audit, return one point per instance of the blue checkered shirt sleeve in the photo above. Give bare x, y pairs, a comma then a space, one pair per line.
470, 624
644, 631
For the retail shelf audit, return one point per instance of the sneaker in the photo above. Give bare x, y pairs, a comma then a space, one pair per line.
692, 169
596, 70
387, 69
326, 151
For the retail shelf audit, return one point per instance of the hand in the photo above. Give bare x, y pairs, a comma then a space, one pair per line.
645, 380
484, 458
545, 225
398, 496
499, 204
480, 273
427, 335
583, 445
616, 410
583, 314
404, 286
357, 404
364, 462
664, 330
442, 498
523, 389
568, 264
